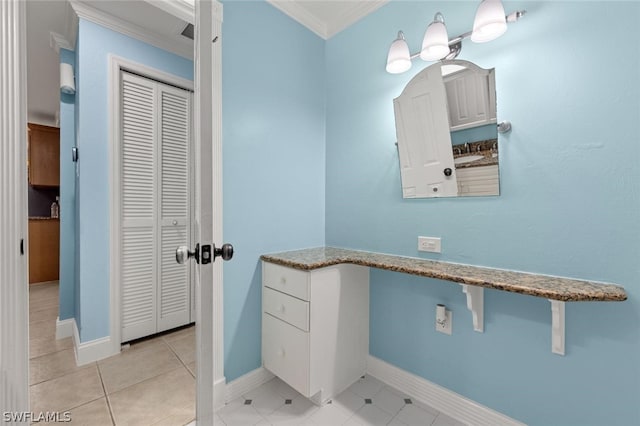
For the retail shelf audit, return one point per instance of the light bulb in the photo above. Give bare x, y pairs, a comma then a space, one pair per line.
490, 22
399, 58
435, 44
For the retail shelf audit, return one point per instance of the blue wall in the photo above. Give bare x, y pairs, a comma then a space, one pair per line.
67, 198
274, 148
94, 46
475, 134
568, 206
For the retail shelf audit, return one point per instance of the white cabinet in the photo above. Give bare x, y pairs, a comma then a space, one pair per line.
483, 180
471, 98
315, 327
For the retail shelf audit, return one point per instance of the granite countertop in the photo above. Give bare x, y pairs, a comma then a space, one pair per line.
43, 218
488, 160
549, 287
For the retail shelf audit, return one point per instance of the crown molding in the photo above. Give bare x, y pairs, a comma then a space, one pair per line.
326, 30
357, 12
57, 42
302, 15
178, 8
121, 26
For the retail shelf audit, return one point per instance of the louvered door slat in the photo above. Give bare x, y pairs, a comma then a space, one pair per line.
138, 266
174, 293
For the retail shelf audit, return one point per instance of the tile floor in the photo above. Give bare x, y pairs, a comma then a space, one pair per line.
366, 402
152, 383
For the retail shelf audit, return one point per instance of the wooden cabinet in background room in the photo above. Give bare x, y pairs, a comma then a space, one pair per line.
44, 250
44, 155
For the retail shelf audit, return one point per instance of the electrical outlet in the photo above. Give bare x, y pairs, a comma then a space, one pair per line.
430, 244
447, 326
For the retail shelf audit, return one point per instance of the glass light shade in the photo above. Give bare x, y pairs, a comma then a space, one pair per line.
67, 82
490, 22
399, 58
436, 42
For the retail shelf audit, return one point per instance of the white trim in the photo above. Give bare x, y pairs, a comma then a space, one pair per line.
219, 393
116, 64
178, 8
57, 42
326, 30
247, 382
121, 26
218, 275
442, 399
93, 350
14, 293
300, 14
64, 328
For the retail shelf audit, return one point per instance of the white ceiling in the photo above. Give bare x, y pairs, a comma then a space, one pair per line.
155, 22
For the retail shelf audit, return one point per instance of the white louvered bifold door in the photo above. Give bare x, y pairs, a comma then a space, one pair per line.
155, 206
174, 295
138, 207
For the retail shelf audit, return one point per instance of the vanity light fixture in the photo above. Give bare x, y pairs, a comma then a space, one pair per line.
435, 44
490, 23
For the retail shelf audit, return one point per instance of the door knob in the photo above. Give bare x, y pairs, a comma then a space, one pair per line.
447, 172
183, 254
226, 252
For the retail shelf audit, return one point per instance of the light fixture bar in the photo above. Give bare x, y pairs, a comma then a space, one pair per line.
511, 18
453, 42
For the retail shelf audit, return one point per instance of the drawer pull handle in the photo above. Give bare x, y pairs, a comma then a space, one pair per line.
281, 309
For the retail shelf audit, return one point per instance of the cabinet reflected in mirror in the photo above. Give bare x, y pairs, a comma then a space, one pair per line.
447, 133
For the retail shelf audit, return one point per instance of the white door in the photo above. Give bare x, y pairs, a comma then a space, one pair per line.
155, 205
424, 141
14, 317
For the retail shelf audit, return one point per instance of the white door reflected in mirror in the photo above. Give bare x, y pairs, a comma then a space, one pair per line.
447, 134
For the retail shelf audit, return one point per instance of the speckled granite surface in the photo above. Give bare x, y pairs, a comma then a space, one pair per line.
549, 287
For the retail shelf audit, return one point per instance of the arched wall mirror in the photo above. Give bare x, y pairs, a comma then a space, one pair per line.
447, 132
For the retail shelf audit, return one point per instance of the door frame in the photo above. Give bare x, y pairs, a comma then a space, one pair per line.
14, 282
208, 140
116, 66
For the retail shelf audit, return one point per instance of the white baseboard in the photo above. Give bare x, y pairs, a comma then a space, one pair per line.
249, 381
64, 328
442, 399
93, 350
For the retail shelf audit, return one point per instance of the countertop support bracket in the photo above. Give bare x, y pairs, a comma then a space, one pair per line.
475, 303
557, 327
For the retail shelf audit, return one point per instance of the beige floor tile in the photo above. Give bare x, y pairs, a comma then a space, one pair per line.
42, 329
67, 392
192, 368
184, 347
189, 331
184, 418
94, 413
47, 345
36, 305
50, 366
136, 365
45, 289
151, 401
49, 314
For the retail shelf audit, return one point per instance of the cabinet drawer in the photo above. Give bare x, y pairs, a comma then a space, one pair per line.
285, 352
287, 308
287, 280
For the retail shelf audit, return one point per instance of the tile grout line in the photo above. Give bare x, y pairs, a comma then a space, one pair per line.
178, 356
106, 395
